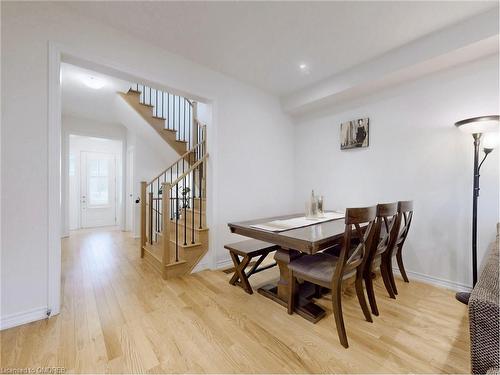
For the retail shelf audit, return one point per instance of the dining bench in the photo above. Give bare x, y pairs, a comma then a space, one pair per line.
248, 250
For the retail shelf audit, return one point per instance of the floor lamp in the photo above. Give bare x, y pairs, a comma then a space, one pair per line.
477, 126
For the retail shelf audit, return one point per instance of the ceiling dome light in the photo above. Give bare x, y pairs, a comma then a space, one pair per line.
93, 82
304, 68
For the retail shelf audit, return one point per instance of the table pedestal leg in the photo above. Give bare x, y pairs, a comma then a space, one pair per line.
279, 293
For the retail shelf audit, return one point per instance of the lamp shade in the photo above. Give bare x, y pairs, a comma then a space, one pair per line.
477, 125
490, 141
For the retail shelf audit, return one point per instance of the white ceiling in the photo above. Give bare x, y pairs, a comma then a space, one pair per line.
263, 43
82, 101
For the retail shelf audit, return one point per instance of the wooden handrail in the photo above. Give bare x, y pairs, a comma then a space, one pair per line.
178, 160
192, 168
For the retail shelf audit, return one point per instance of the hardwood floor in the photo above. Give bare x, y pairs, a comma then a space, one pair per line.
118, 315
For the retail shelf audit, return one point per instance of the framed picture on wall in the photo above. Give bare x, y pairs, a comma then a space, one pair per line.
355, 133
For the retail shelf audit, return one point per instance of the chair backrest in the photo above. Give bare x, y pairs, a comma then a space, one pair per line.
385, 232
359, 221
405, 213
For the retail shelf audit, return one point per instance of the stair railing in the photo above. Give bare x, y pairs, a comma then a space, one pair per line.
177, 111
170, 198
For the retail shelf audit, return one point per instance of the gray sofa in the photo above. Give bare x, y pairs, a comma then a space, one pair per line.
484, 316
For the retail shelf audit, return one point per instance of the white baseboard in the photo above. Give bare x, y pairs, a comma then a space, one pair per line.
225, 263
18, 319
200, 267
457, 287
436, 281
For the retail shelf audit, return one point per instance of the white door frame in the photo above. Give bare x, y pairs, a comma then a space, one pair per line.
129, 201
56, 52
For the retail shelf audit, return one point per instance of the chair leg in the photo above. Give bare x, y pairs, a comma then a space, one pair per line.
337, 313
371, 294
391, 278
386, 278
360, 292
292, 286
399, 258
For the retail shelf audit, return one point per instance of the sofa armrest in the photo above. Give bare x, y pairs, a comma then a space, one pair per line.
484, 316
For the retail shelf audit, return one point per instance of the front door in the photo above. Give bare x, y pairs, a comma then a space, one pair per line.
98, 189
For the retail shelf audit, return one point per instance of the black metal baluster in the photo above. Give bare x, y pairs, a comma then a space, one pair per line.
192, 195
157, 203
200, 178
150, 214
184, 204
190, 122
177, 222
171, 208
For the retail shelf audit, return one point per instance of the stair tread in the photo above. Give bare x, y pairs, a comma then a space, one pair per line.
181, 244
159, 118
132, 91
178, 263
154, 250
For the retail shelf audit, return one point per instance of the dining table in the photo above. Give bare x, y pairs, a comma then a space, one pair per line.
293, 243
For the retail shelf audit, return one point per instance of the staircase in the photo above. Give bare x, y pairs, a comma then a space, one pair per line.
174, 233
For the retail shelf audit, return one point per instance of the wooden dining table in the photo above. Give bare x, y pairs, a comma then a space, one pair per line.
293, 243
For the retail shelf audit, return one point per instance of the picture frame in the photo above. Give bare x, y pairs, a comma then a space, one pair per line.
355, 134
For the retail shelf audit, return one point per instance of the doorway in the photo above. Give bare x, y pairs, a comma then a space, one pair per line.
97, 189
94, 182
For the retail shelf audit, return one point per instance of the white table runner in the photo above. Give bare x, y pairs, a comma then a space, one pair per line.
297, 222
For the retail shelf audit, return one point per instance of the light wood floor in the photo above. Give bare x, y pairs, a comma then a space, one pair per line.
118, 315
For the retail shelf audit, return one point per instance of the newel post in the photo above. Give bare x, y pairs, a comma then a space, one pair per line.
150, 217
143, 216
165, 201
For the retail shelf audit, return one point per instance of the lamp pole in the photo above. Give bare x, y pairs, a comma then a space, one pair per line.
476, 126
475, 196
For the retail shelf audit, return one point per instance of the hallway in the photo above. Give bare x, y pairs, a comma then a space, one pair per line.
118, 315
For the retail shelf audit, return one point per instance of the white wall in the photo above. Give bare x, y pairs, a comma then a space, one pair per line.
415, 153
250, 142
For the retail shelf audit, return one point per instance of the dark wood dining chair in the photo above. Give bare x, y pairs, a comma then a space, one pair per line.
385, 235
329, 271
405, 212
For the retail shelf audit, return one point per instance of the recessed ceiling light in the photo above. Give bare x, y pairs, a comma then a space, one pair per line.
304, 68
93, 82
